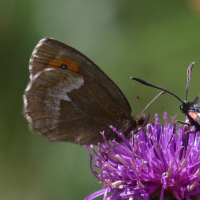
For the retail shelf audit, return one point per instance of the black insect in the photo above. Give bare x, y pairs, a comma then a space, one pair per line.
190, 109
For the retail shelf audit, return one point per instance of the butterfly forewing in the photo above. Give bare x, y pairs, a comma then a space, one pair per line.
49, 50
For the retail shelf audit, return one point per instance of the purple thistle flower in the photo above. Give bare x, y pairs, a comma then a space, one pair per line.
156, 166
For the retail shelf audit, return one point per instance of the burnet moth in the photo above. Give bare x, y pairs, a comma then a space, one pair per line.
190, 109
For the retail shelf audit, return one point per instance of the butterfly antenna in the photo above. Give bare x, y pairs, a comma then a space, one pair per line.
138, 101
189, 72
152, 101
154, 86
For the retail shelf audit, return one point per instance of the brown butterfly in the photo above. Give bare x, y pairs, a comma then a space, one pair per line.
69, 98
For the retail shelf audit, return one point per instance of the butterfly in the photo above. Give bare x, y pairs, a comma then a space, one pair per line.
69, 98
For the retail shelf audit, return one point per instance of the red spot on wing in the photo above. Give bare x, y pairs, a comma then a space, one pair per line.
194, 115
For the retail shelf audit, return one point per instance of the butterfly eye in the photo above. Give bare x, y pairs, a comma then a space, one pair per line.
181, 107
63, 66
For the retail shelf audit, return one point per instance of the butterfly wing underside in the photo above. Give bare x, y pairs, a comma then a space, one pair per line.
69, 98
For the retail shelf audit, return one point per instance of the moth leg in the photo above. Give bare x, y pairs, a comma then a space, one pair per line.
174, 131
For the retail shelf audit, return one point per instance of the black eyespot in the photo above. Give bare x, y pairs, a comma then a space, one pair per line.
63, 66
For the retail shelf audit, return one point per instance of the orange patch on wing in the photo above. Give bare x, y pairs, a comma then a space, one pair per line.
70, 65
59, 61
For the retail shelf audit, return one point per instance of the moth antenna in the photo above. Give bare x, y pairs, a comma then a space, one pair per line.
152, 101
196, 99
189, 72
154, 86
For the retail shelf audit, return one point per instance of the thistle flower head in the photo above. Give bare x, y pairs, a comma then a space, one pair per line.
157, 165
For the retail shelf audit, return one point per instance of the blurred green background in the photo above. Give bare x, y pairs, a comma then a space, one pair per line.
154, 40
